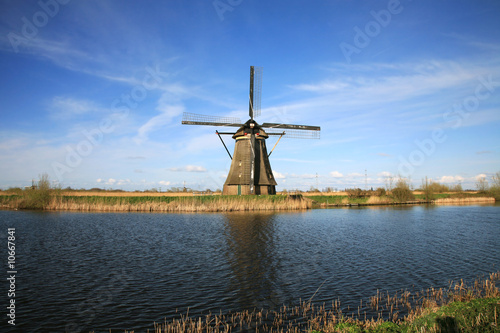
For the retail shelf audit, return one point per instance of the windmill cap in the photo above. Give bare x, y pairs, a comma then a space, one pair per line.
248, 127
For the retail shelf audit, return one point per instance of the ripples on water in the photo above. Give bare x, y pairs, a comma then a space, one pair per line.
81, 272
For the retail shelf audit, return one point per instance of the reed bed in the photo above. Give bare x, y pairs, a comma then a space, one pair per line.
337, 200
448, 201
376, 200
423, 311
167, 204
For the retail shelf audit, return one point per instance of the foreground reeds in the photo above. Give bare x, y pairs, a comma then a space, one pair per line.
461, 307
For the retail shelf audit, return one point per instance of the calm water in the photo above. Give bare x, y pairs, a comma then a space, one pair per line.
79, 271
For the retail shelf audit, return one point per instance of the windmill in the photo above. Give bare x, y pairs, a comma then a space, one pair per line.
250, 171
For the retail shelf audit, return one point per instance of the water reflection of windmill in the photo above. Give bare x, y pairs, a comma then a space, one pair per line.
254, 261
250, 171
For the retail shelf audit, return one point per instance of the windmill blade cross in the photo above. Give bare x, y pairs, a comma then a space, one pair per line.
200, 119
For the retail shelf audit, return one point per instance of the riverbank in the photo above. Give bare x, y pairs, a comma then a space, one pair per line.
325, 201
462, 307
209, 203
55, 200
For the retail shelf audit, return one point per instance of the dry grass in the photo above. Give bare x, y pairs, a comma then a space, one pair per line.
327, 194
171, 204
375, 200
464, 201
128, 194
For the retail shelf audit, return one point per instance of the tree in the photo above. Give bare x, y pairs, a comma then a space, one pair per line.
482, 185
496, 179
427, 189
495, 188
40, 196
389, 183
457, 188
402, 192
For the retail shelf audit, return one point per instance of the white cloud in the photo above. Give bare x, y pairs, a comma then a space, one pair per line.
164, 183
480, 176
195, 168
384, 174
451, 179
336, 174
112, 181
278, 175
355, 174
189, 168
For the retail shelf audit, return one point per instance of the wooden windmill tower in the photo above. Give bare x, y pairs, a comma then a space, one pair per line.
250, 171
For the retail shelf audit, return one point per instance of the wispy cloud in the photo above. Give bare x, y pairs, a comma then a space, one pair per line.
189, 168
167, 113
66, 107
113, 181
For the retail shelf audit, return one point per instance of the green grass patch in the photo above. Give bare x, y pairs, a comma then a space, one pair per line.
337, 199
434, 196
207, 199
477, 315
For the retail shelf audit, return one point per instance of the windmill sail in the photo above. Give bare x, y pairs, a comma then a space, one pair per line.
255, 92
293, 131
200, 119
295, 134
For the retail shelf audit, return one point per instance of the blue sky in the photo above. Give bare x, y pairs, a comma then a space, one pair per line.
92, 92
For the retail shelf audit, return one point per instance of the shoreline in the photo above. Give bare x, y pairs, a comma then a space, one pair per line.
441, 201
113, 202
165, 204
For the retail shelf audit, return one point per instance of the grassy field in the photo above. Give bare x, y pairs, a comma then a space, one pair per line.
461, 307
